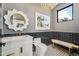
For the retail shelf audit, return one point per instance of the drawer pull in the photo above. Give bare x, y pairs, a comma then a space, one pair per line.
21, 50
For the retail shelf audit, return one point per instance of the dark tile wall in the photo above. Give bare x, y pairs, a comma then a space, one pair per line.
47, 36
0, 31
64, 36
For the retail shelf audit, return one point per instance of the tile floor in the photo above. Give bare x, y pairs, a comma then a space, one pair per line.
57, 51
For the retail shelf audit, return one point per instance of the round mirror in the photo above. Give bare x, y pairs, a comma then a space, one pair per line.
16, 20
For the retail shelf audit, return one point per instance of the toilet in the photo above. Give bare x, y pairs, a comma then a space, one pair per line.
40, 47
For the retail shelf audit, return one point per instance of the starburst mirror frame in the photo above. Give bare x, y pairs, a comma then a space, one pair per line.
16, 20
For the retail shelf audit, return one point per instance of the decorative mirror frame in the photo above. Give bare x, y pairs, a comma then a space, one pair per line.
8, 21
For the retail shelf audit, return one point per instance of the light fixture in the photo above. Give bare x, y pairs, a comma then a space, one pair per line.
48, 6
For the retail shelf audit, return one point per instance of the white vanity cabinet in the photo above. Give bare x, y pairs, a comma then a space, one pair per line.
27, 47
17, 46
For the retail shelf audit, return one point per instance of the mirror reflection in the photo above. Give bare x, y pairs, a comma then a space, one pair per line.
17, 20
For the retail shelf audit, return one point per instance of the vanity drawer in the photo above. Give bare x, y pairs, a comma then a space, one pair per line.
11, 45
11, 52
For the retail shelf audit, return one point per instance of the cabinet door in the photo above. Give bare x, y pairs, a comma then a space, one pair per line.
26, 49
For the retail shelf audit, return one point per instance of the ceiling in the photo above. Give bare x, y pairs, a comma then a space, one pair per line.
48, 6
44, 6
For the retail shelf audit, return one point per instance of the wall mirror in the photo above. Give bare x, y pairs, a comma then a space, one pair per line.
16, 20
